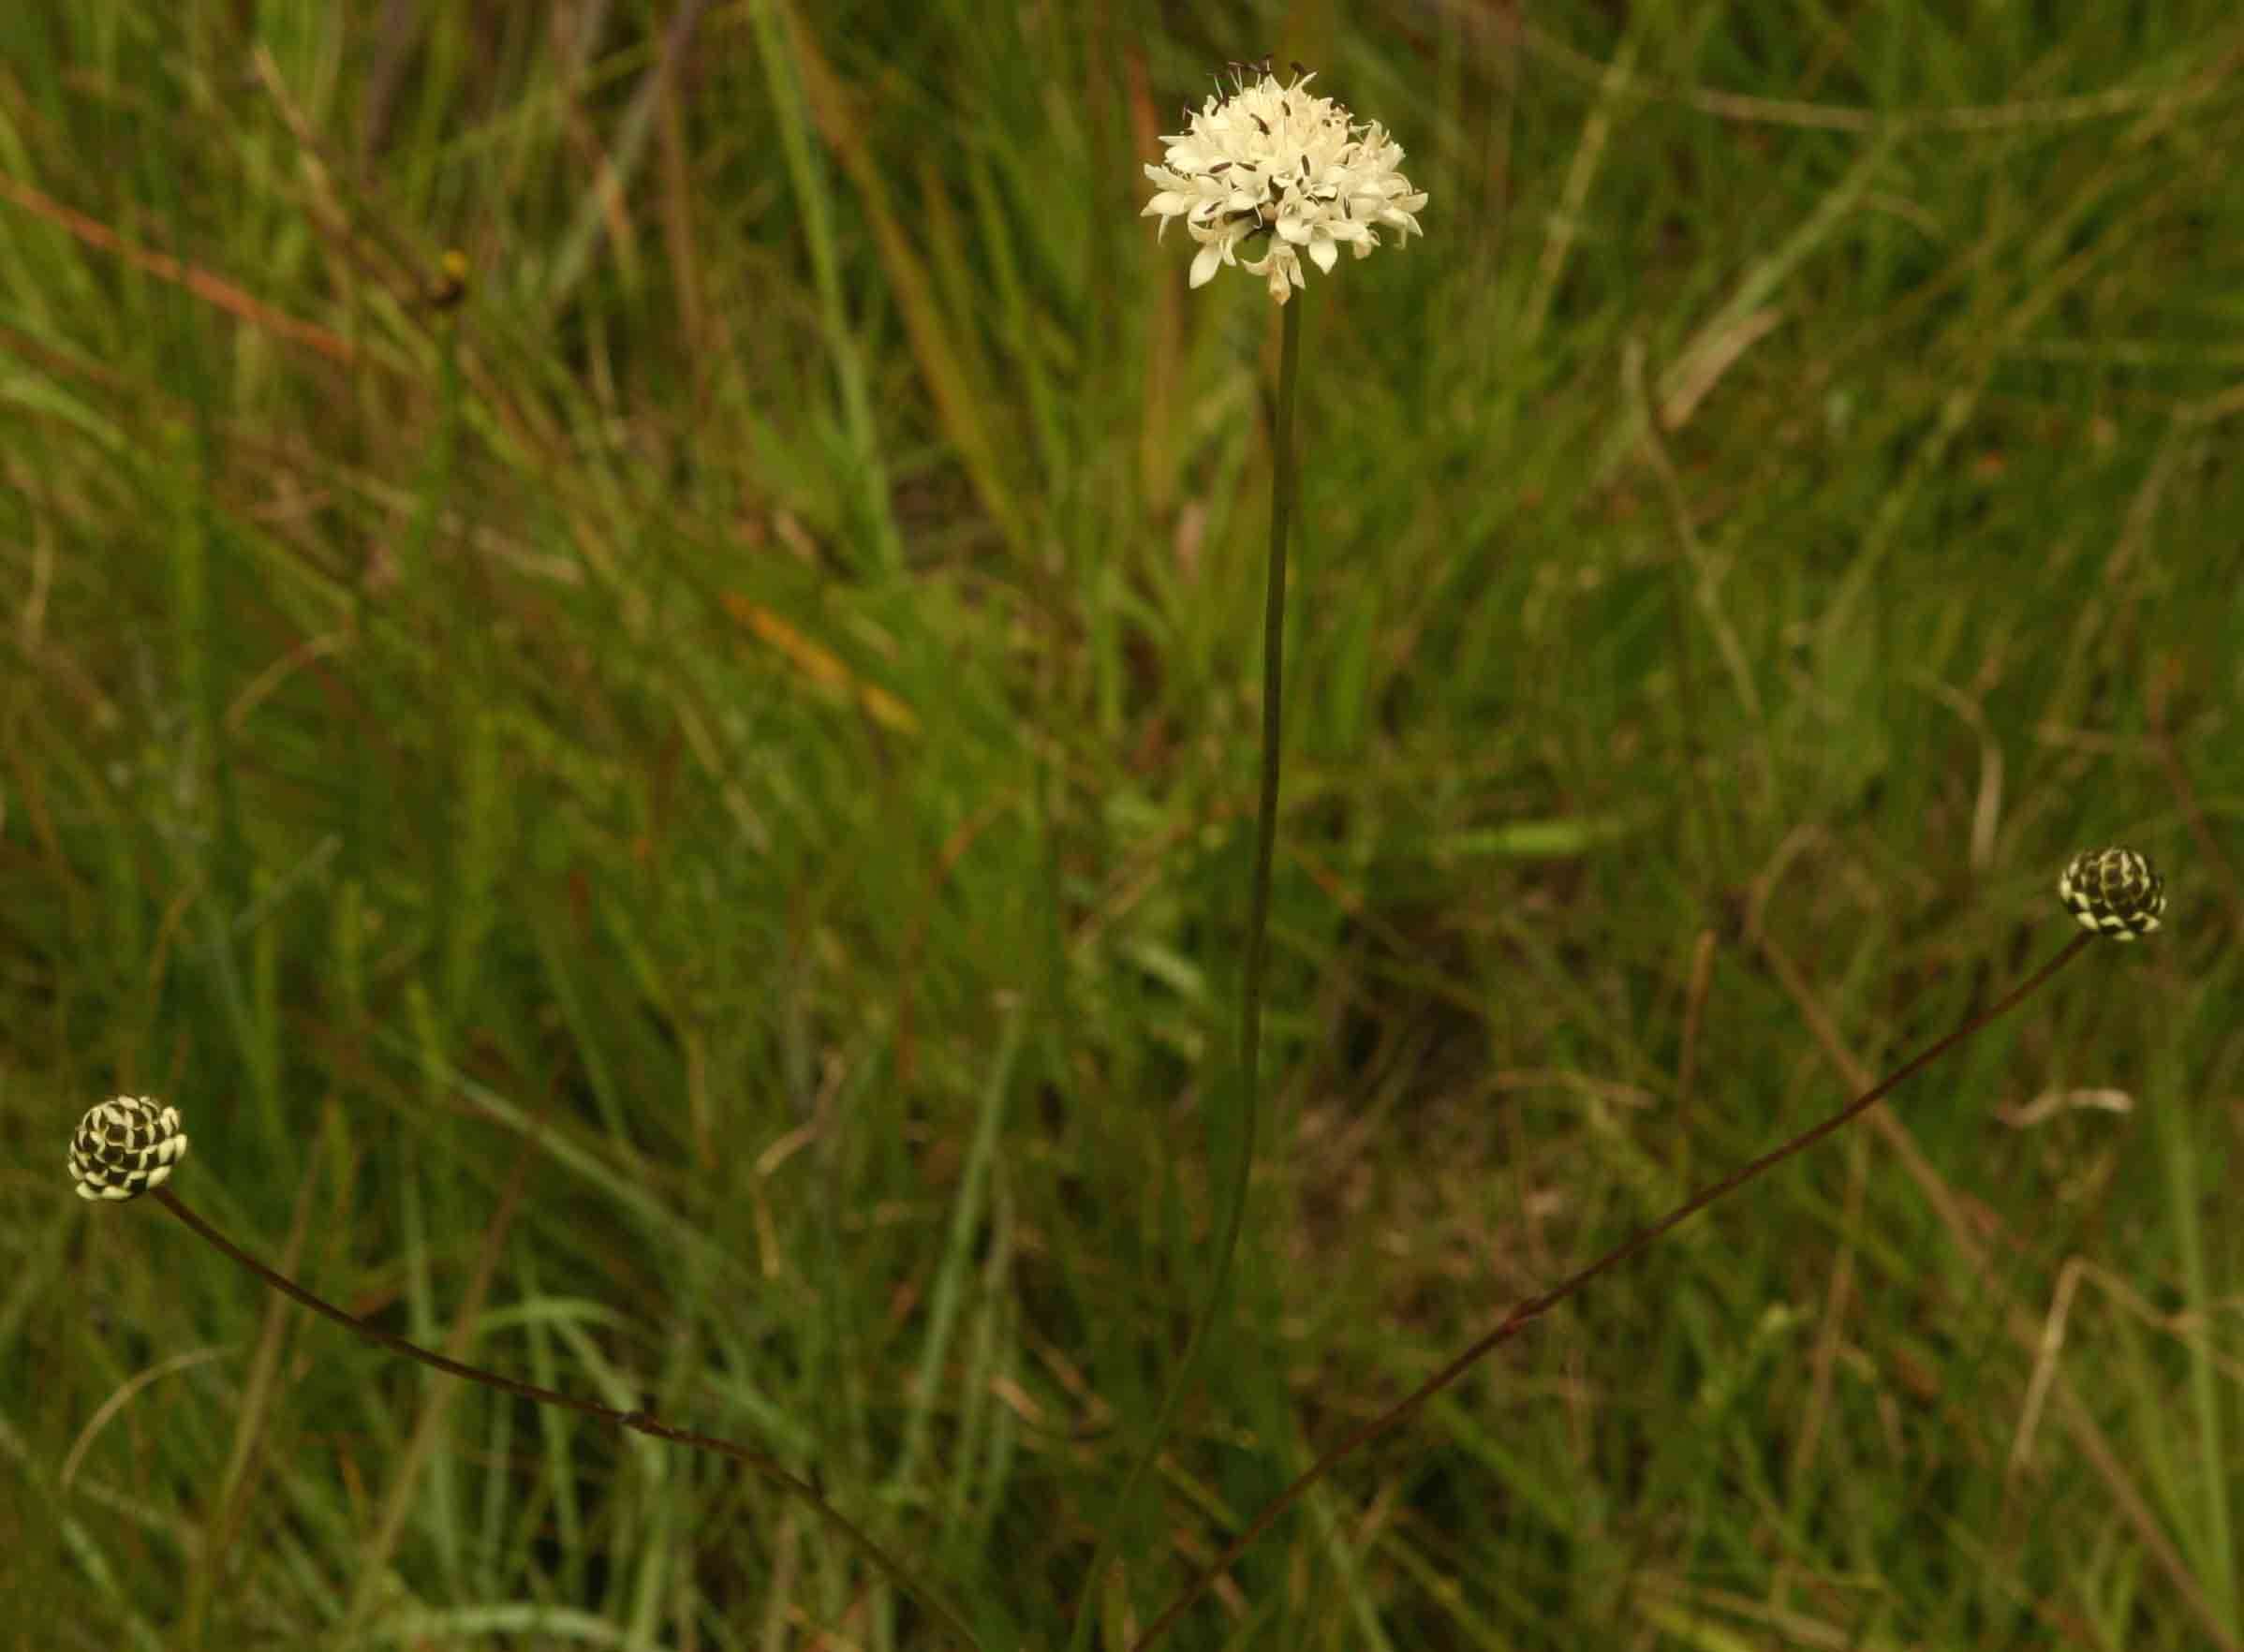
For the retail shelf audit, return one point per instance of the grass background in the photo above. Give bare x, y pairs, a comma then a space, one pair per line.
679, 816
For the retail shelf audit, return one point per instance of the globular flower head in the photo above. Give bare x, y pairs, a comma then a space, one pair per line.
1274, 165
125, 1146
2113, 892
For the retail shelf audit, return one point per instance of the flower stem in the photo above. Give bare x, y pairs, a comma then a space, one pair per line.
765, 1468
1284, 484
1536, 1306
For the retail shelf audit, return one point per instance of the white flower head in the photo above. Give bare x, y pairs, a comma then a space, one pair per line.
1297, 172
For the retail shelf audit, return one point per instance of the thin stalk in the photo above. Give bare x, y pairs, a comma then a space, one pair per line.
757, 1463
1536, 1306
1284, 484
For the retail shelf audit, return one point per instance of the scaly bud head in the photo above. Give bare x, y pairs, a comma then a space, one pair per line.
2113, 892
125, 1146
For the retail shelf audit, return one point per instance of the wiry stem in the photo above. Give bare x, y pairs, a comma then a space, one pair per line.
1284, 474
1536, 1306
758, 1463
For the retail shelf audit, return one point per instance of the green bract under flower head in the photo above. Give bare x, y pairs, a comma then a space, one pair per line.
1271, 162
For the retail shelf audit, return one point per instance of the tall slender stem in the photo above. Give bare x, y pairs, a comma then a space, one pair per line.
1284, 484
1536, 1306
765, 1468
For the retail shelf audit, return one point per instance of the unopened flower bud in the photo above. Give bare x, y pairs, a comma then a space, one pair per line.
125, 1146
2113, 892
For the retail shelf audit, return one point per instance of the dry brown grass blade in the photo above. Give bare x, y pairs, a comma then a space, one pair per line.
934, 345
819, 665
214, 290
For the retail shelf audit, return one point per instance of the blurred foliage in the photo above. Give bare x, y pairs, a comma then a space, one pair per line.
733, 702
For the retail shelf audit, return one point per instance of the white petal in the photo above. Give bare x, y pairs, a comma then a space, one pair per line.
1323, 252
1280, 267
1205, 263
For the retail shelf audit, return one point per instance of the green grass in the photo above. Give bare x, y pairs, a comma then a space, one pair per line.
747, 721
